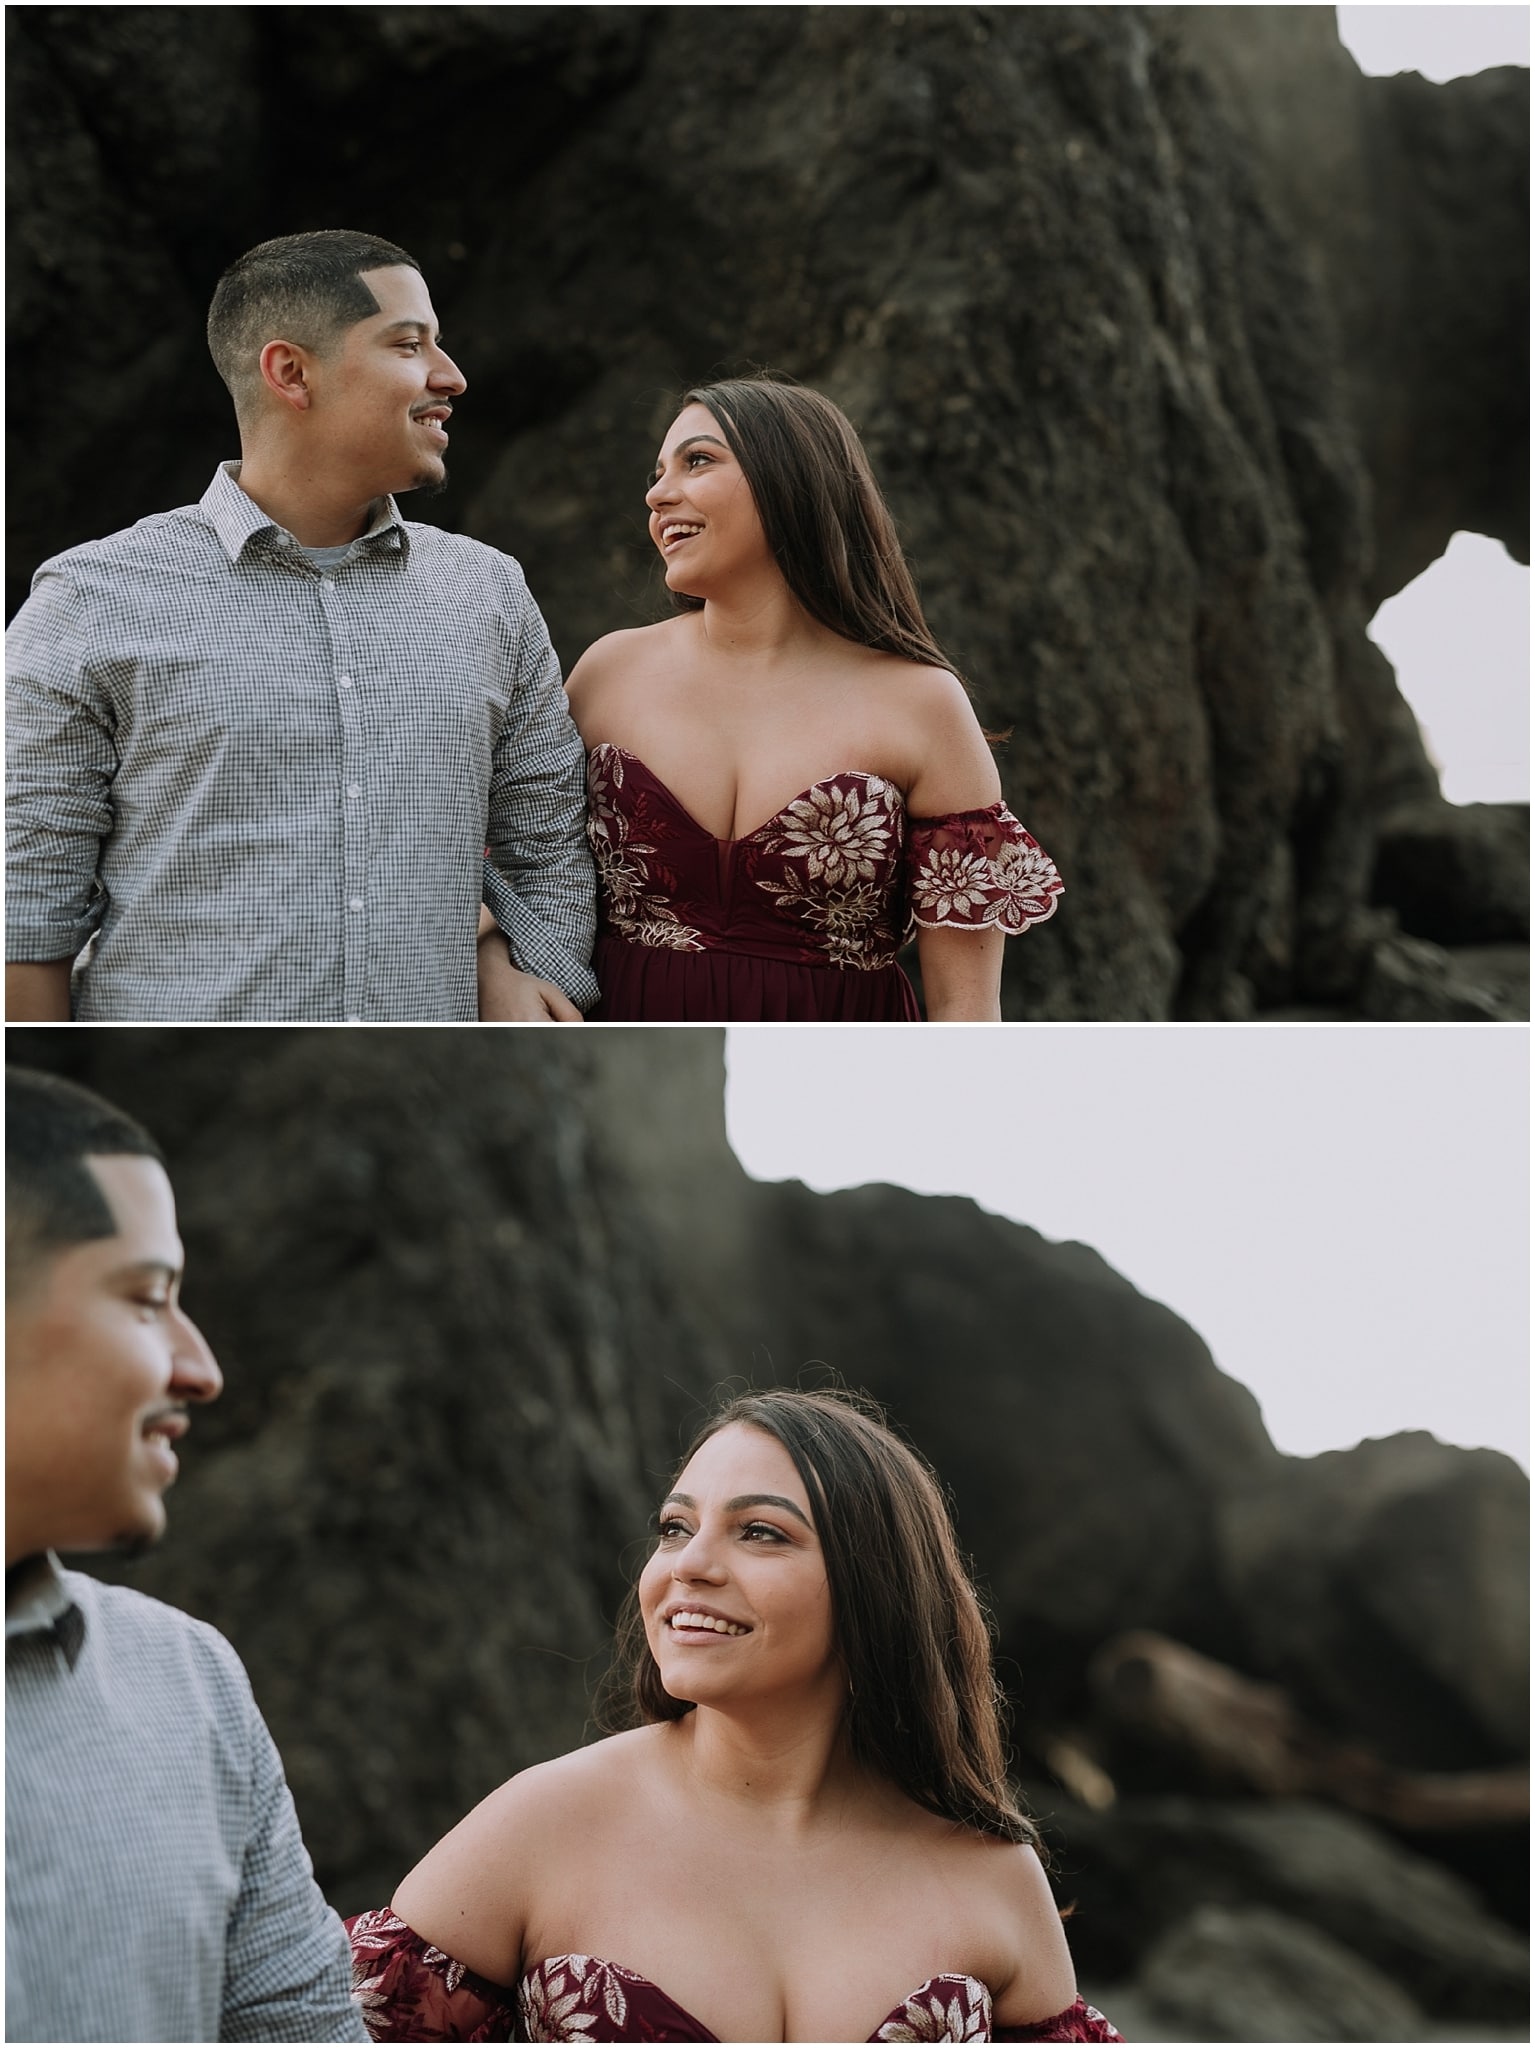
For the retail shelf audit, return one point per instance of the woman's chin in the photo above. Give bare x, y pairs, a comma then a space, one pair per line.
676, 582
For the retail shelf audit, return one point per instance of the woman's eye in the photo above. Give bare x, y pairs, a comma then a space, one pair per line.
757, 1530
668, 1529
698, 455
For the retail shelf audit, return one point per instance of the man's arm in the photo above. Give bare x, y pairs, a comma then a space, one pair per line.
61, 757
540, 884
506, 994
37, 991
287, 1962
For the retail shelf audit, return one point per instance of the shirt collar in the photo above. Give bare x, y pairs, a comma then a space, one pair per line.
237, 519
37, 1601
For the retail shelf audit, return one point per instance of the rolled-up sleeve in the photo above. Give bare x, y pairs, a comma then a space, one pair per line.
61, 757
540, 884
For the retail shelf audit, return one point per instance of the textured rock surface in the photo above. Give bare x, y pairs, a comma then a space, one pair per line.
1256, 1975
1457, 873
1143, 1869
1411, 204
1385, 1588
1045, 258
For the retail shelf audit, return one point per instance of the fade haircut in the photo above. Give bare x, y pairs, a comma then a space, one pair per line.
924, 1709
52, 1199
304, 288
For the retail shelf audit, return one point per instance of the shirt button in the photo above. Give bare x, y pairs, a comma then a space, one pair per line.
354, 789
355, 904
354, 1020
346, 682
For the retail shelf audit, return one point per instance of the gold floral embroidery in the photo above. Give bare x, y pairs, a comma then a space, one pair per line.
944, 2009
978, 869
634, 900
842, 835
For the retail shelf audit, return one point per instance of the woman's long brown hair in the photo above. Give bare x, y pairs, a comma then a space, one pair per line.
924, 1709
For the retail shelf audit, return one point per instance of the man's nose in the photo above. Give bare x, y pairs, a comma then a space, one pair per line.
195, 1374
447, 376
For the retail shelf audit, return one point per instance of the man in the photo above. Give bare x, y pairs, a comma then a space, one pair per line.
257, 746
157, 1887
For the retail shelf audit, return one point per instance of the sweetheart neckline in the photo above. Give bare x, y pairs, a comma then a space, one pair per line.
842, 774
636, 1977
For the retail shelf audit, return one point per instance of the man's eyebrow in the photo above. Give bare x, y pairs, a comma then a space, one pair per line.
407, 326
746, 1500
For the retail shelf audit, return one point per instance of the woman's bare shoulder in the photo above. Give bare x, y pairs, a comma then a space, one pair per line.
951, 764
619, 657
556, 1790
472, 1892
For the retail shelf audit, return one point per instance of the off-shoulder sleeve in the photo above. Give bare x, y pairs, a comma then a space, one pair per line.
978, 868
406, 1990
1079, 2022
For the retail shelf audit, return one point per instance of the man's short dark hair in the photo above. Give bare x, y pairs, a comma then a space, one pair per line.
52, 1199
300, 288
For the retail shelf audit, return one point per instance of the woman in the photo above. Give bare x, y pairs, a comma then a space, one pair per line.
804, 1832
787, 773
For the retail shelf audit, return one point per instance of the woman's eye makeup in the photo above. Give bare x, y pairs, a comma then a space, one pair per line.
669, 1530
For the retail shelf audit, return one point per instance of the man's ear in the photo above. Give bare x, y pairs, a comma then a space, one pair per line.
285, 370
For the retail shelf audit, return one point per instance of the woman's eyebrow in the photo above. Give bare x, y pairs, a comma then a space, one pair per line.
692, 441
745, 1500
766, 1500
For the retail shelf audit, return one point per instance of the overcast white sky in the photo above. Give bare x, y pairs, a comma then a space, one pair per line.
1342, 1212
1459, 634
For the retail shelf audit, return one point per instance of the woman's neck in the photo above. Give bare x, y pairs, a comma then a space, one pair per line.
760, 626
791, 1770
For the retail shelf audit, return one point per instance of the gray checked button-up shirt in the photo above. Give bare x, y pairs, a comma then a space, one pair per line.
266, 789
156, 1887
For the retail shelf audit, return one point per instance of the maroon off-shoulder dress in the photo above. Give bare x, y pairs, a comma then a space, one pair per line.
409, 1991
803, 918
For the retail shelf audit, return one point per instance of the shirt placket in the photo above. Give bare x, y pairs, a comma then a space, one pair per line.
352, 795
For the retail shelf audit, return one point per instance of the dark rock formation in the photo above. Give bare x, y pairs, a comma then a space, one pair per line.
1255, 1975
1045, 258
1342, 1570
1457, 873
1410, 201
1144, 1869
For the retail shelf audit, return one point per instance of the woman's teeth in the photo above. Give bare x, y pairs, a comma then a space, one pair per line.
723, 1628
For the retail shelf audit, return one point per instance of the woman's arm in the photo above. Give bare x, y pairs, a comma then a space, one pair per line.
954, 772
961, 974
974, 873
1042, 1983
